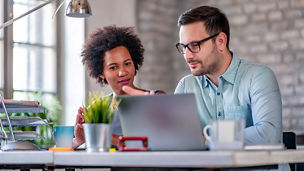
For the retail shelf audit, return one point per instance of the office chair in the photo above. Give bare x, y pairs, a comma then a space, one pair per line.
289, 140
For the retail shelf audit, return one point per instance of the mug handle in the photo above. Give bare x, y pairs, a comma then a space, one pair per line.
206, 134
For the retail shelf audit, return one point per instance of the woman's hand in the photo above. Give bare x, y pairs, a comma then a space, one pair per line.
132, 91
78, 129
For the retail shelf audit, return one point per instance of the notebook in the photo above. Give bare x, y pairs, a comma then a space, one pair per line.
171, 122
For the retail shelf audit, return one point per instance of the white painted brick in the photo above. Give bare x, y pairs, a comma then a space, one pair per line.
301, 78
238, 20
258, 48
249, 7
226, 2
167, 11
168, 3
258, 17
255, 28
281, 69
286, 124
288, 57
297, 44
286, 112
266, 6
294, 13
269, 58
233, 9
286, 91
279, 25
297, 3
275, 15
294, 101
297, 111
242, 48
299, 23
253, 38
279, 46
283, 4
287, 80
299, 90
290, 34
299, 55
271, 36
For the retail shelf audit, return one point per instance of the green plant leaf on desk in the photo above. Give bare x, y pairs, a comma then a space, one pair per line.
100, 109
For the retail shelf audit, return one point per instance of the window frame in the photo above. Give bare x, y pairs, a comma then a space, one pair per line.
8, 47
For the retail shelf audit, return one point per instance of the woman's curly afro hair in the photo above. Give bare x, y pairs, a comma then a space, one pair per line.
108, 38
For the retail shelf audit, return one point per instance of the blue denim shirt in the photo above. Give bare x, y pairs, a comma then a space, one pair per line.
246, 91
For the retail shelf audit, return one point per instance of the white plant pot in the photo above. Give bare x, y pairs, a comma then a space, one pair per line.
98, 137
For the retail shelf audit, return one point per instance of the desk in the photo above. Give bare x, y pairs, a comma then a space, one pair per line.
186, 159
176, 159
26, 159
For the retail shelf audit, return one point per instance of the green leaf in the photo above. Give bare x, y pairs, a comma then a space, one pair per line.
99, 109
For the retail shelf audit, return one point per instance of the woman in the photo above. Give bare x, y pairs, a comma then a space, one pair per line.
112, 56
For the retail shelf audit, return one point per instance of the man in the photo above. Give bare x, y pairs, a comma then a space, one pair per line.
225, 86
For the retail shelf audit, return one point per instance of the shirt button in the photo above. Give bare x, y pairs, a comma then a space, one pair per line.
218, 93
219, 114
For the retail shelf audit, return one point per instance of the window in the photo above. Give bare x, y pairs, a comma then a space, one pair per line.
31, 43
34, 52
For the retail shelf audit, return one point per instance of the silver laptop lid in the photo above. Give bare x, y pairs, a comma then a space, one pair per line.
171, 122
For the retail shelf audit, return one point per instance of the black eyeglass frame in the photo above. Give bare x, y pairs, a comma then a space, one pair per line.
196, 42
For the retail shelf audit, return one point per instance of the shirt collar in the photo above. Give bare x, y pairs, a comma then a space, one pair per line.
230, 73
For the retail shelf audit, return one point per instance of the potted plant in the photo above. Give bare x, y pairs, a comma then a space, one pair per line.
98, 115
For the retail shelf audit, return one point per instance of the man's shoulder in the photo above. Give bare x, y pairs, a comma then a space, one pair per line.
253, 67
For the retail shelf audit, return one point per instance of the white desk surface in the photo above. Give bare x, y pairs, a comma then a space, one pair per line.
26, 157
193, 159
202, 159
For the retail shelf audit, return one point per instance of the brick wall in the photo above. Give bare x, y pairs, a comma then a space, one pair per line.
269, 32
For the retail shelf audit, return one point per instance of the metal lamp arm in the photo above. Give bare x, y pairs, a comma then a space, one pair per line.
11, 21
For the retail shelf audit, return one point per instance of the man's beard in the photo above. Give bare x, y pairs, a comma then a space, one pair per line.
202, 69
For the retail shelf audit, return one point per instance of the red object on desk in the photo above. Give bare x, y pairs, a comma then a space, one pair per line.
123, 139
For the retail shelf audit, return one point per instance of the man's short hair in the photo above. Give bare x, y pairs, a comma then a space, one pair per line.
214, 20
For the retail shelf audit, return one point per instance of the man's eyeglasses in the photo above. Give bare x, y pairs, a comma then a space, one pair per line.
194, 47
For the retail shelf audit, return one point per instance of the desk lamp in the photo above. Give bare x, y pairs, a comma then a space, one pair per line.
76, 8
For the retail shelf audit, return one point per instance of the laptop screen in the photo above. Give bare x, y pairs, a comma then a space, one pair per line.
171, 122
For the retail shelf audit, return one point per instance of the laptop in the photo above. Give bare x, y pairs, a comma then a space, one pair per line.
171, 122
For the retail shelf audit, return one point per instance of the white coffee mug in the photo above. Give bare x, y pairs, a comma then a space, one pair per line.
225, 134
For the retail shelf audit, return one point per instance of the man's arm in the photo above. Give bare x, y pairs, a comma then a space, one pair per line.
266, 106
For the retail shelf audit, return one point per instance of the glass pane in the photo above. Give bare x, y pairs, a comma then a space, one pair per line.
1, 65
34, 69
36, 28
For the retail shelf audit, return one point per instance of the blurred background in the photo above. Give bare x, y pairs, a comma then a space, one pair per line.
41, 55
